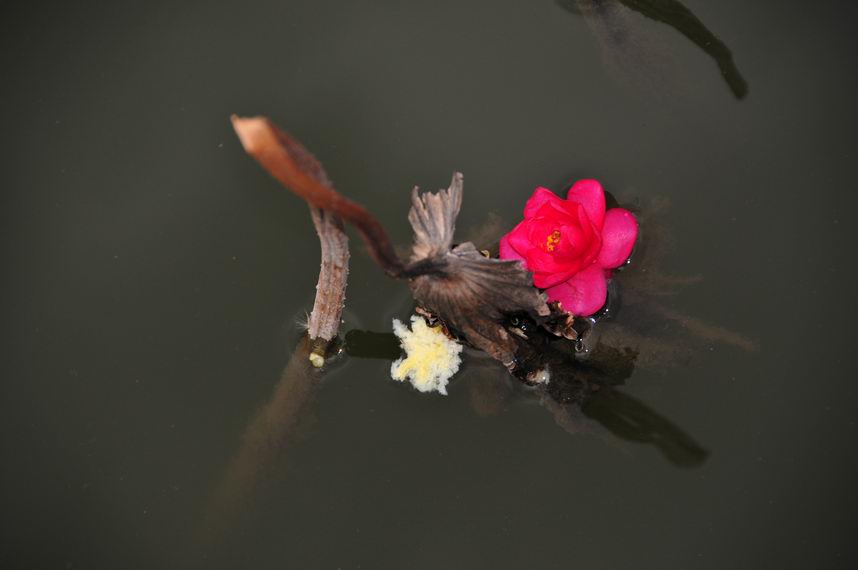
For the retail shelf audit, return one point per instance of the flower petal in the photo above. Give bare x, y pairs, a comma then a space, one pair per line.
547, 270
540, 197
507, 251
545, 280
618, 238
589, 194
519, 238
583, 294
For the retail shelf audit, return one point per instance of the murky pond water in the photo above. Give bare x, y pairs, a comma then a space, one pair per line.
156, 278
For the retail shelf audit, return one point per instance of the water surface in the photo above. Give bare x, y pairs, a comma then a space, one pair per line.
155, 277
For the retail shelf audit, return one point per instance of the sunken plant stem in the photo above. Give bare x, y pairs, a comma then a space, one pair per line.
293, 166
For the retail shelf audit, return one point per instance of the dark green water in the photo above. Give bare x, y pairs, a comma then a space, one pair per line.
154, 276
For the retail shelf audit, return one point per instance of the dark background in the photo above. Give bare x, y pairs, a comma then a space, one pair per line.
154, 276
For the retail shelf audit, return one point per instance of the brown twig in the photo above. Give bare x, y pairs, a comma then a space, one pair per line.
324, 322
295, 167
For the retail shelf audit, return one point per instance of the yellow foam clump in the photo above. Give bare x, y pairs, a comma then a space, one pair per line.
431, 358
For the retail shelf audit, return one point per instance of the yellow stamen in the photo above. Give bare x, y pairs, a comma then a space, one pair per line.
553, 240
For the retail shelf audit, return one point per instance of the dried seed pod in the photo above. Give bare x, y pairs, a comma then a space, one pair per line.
471, 293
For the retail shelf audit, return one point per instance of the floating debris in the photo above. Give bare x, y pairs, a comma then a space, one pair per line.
431, 357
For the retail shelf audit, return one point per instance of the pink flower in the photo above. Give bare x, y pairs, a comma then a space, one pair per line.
571, 246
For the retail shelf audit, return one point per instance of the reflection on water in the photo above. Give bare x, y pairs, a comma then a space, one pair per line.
610, 22
608, 411
631, 420
571, 382
276, 425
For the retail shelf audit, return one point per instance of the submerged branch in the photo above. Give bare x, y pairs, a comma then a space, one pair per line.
676, 15
672, 13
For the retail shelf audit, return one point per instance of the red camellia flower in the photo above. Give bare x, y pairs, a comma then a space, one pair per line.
571, 246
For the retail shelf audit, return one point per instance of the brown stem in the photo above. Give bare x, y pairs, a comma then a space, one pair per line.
327, 312
294, 167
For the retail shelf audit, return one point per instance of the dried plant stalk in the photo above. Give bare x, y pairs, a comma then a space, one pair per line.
330, 290
324, 323
301, 170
